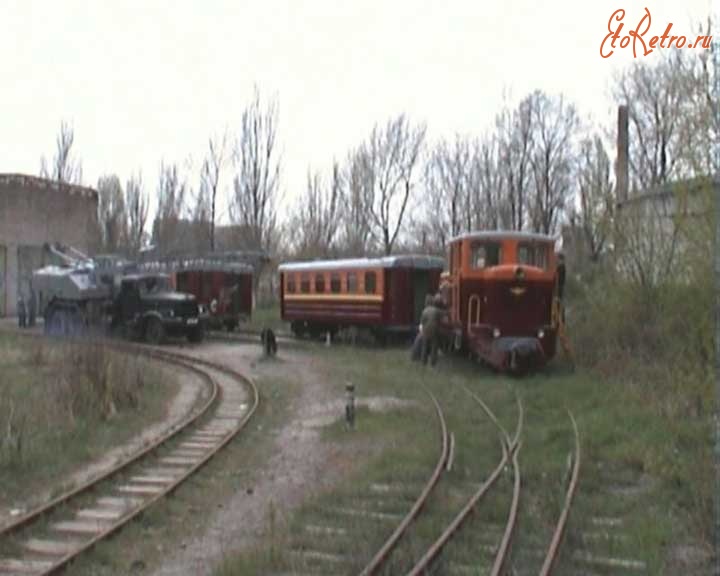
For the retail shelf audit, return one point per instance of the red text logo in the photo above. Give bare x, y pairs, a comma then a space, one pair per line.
642, 42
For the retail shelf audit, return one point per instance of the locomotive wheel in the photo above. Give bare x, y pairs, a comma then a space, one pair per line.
154, 331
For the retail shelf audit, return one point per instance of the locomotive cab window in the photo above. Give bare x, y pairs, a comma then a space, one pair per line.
485, 254
305, 284
320, 283
533, 255
370, 282
351, 282
291, 283
335, 283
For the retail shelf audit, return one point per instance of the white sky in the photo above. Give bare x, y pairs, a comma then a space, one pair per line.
148, 80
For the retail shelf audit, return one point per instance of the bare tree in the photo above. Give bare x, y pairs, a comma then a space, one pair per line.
315, 223
662, 101
200, 216
354, 214
595, 195
64, 167
448, 195
515, 138
555, 127
487, 186
257, 165
211, 169
389, 159
136, 204
111, 213
171, 195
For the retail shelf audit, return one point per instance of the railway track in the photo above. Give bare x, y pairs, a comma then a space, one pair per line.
48, 538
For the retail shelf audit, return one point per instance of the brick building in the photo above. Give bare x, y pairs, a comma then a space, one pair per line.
35, 211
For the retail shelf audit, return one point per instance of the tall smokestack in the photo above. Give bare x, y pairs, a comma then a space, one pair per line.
621, 166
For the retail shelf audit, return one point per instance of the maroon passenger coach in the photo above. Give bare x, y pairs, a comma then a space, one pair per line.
385, 295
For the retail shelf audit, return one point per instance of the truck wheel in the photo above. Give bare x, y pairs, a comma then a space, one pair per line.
196, 334
154, 331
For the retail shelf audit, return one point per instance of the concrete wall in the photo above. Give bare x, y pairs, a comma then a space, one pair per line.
35, 211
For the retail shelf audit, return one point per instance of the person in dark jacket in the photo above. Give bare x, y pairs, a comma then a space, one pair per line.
21, 311
416, 352
430, 322
561, 275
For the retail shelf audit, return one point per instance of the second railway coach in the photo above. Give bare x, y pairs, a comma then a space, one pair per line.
386, 295
223, 289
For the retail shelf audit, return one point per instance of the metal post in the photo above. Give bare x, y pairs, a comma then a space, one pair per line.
350, 404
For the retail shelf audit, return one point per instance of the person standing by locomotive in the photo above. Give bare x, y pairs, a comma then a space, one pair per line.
430, 324
417, 348
32, 308
21, 311
561, 275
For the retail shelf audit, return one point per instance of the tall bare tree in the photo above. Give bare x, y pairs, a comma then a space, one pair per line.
112, 215
663, 100
257, 164
171, 203
136, 204
515, 137
355, 237
316, 220
389, 160
64, 167
448, 194
213, 165
487, 185
555, 127
595, 195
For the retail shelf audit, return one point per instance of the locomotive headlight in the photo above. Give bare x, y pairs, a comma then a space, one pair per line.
496, 333
541, 333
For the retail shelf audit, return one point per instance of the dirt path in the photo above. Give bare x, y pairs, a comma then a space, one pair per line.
301, 464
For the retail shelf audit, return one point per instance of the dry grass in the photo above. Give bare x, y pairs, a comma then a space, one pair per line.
62, 404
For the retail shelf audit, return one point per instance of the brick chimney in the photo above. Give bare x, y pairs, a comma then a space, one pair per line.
621, 164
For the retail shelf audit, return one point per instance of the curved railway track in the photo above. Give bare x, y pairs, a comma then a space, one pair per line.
48, 538
509, 451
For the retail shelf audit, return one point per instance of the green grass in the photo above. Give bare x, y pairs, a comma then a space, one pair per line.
625, 443
53, 419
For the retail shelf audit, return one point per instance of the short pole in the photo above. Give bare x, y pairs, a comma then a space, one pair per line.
350, 404
328, 339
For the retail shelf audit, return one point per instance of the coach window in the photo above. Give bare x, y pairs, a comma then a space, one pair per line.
305, 283
484, 255
335, 283
291, 283
370, 282
352, 282
320, 283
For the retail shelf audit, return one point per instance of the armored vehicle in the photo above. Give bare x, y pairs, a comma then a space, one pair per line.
102, 294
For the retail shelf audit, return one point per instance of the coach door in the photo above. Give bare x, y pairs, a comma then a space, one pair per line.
3, 282
421, 287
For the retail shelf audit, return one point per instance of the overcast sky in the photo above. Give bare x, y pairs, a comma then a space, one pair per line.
143, 81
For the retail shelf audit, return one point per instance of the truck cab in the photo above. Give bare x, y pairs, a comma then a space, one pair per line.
148, 307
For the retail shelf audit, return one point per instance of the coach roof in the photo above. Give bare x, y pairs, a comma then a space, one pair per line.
504, 235
403, 261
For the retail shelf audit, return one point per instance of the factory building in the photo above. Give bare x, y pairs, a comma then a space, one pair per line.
33, 212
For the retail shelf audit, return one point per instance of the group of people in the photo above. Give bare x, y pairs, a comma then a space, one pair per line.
26, 310
427, 341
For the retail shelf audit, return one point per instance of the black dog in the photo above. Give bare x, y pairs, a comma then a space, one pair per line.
269, 343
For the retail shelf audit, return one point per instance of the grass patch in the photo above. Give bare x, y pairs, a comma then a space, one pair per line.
63, 405
636, 466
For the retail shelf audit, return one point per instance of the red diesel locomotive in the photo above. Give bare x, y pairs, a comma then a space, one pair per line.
383, 294
501, 290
